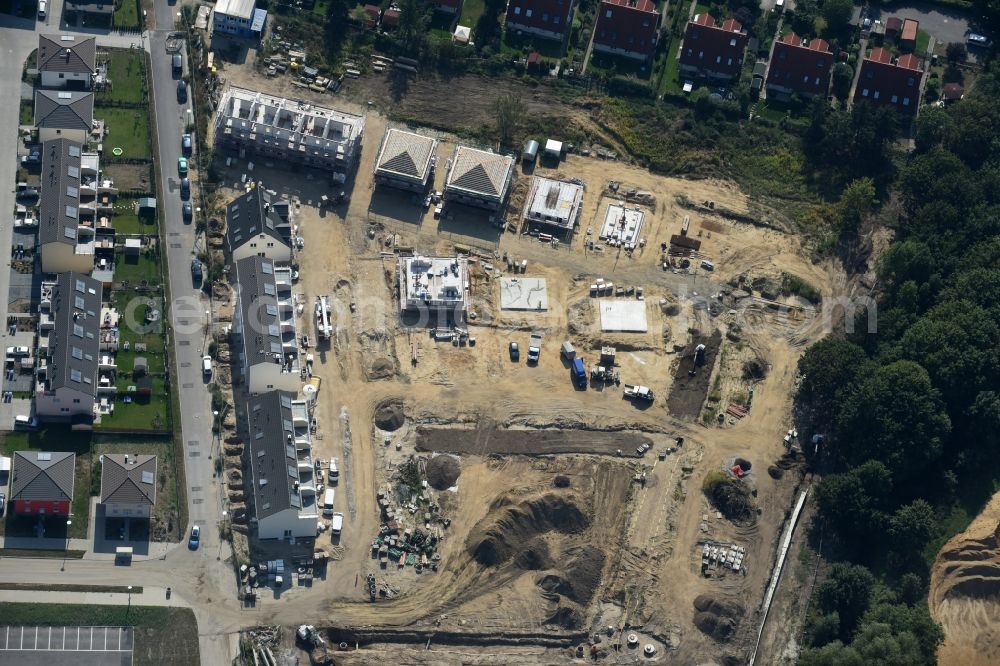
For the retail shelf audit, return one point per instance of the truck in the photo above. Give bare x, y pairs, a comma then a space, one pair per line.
636, 392
578, 370
328, 502
568, 352
534, 347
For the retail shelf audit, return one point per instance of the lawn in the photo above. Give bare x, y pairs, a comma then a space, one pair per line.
128, 129
127, 221
670, 78
519, 45
923, 39
163, 636
27, 115
136, 270
618, 66
150, 412
471, 11
125, 70
126, 14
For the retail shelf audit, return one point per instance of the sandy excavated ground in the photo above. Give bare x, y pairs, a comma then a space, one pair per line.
604, 550
965, 592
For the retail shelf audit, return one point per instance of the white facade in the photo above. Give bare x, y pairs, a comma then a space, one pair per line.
440, 283
66, 79
263, 245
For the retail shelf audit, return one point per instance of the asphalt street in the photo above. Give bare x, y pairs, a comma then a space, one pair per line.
189, 322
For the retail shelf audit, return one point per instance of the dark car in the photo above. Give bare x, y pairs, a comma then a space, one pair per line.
186, 213
195, 539
177, 64
186, 144
182, 92
196, 270
185, 189
515, 353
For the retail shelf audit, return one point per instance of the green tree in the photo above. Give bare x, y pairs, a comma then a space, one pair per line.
837, 13
412, 24
846, 591
895, 416
956, 52
843, 76
828, 368
832, 654
855, 505
912, 527
508, 109
856, 202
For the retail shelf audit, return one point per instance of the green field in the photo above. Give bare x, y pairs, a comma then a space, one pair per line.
126, 219
471, 11
128, 129
125, 71
136, 270
126, 14
163, 636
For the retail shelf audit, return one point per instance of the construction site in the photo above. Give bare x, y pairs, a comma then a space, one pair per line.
558, 445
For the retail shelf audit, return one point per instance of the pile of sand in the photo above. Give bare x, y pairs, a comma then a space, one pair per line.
509, 530
442, 472
389, 414
715, 617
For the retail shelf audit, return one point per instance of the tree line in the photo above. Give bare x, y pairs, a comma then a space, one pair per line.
911, 410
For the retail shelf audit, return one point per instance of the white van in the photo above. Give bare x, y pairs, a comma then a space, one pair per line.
328, 502
206, 365
337, 524
334, 474
41, 9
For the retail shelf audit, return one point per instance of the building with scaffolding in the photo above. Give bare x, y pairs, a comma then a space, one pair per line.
553, 203
296, 131
434, 283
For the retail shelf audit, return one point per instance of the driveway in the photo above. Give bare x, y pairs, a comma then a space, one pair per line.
943, 23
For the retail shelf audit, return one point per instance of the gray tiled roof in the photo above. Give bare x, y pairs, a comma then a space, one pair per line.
91, 6
254, 213
405, 154
74, 341
40, 475
128, 479
480, 173
256, 292
67, 53
272, 455
64, 109
59, 215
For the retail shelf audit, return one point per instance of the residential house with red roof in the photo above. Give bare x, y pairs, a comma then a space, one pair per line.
883, 82
799, 67
548, 19
42, 483
627, 28
711, 50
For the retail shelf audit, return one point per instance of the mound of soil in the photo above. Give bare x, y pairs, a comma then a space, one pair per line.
717, 618
744, 463
561, 481
442, 472
535, 556
775, 472
389, 414
754, 370
496, 540
382, 368
566, 617
732, 497
580, 577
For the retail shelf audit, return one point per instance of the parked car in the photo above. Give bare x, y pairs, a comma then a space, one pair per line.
182, 166
186, 144
18, 351
195, 539
182, 92
975, 39
186, 212
206, 365
185, 189
196, 271
515, 352
3, 502
177, 64
25, 422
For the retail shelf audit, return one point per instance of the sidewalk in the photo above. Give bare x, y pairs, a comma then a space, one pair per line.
157, 550
150, 596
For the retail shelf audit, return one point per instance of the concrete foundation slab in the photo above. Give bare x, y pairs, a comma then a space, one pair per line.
524, 294
623, 316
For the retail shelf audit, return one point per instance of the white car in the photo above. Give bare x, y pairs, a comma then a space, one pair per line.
18, 351
206, 365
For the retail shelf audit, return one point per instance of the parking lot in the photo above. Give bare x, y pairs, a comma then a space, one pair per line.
59, 646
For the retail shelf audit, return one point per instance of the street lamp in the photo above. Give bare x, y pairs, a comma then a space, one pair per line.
69, 523
221, 536
128, 610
